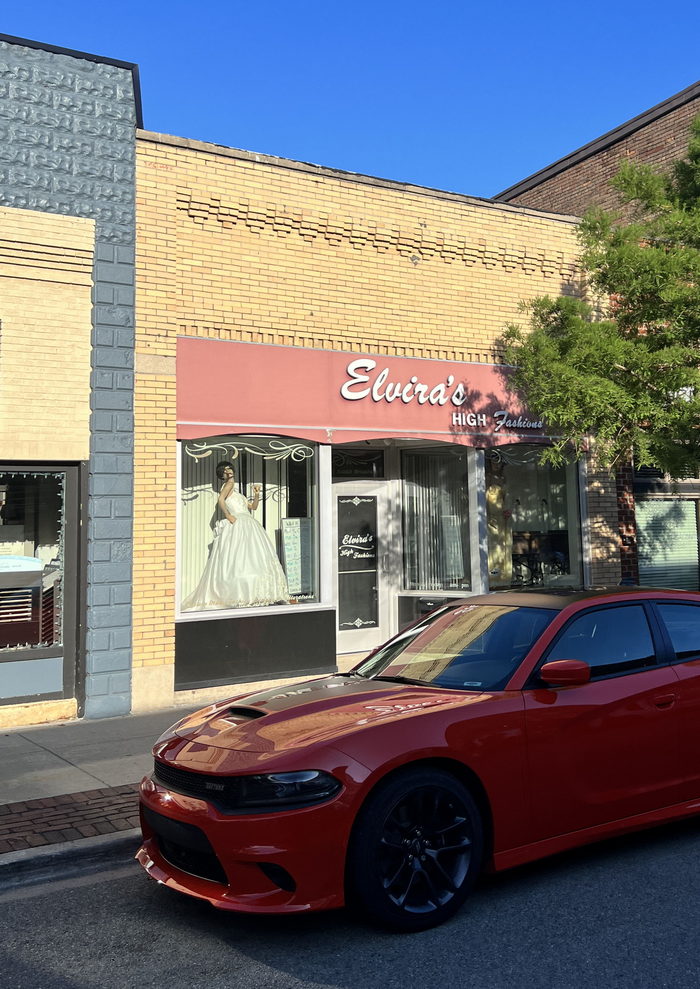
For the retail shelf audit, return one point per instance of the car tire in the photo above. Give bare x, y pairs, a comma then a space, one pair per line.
415, 851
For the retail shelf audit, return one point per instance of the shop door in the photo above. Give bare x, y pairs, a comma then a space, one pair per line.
367, 564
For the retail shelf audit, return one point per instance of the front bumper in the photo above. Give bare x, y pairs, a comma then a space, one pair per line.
283, 862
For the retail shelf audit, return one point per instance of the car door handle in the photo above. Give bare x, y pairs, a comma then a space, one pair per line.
665, 700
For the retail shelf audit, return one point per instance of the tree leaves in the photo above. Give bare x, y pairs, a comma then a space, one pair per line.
628, 369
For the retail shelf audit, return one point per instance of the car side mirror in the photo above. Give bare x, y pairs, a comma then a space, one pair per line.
565, 672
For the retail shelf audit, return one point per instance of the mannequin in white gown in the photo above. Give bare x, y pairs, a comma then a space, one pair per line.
242, 569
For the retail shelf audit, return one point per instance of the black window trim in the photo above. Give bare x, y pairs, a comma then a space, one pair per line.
665, 635
658, 638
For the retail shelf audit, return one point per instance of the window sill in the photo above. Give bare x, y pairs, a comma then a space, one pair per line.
279, 609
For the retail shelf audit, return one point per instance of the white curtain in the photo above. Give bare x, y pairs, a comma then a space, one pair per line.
436, 547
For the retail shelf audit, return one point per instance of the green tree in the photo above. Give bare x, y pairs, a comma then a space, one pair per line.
626, 368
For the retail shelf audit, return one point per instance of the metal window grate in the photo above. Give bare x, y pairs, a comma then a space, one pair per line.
16, 605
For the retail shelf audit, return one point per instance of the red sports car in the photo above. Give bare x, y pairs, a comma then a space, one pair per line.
497, 730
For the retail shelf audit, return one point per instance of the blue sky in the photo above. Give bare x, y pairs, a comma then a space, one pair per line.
468, 97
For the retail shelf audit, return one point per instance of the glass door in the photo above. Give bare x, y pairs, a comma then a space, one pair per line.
366, 564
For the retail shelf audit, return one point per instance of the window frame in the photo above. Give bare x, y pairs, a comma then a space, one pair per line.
321, 481
657, 637
521, 454
672, 657
71, 648
448, 451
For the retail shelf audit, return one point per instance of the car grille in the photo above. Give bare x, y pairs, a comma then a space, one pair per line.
184, 846
222, 791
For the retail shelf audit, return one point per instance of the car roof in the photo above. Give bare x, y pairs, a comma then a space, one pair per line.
557, 599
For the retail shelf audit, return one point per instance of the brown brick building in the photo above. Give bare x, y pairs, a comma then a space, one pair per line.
659, 522
656, 137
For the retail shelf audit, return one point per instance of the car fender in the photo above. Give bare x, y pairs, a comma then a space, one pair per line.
490, 754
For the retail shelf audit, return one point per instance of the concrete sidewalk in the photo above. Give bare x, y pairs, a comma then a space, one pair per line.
68, 789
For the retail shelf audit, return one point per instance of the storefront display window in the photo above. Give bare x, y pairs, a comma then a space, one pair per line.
31, 558
249, 529
532, 520
435, 520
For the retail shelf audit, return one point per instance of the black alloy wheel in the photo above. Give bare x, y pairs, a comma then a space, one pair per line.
416, 850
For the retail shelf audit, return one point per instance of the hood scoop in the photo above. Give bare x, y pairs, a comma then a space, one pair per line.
237, 715
221, 721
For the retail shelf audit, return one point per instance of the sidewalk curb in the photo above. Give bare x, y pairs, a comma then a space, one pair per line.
61, 861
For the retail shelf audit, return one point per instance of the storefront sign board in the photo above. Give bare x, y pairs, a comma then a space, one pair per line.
226, 387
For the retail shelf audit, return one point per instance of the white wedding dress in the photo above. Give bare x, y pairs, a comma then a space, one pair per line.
242, 569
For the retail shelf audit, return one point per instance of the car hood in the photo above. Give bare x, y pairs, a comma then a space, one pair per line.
317, 711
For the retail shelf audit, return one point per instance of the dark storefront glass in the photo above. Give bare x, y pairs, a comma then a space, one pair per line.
31, 558
357, 562
533, 520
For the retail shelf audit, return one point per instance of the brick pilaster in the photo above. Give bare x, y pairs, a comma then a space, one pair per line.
627, 525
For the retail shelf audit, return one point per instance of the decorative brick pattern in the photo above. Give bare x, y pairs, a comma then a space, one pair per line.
44, 258
67, 147
51, 820
416, 244
45, 308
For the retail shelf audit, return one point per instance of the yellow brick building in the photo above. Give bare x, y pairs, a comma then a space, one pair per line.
253, 270
46, 277
45, 346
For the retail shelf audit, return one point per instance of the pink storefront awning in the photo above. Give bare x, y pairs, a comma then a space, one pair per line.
335, 397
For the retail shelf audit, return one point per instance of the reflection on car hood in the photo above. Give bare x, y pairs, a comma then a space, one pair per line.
317, 711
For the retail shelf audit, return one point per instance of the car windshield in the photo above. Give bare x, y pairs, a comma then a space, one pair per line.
472, 647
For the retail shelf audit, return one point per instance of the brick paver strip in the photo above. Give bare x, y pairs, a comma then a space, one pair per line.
49, 820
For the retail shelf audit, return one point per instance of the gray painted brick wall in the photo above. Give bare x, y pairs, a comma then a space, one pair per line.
67, 145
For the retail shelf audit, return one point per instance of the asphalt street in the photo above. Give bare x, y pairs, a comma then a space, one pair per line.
622, 914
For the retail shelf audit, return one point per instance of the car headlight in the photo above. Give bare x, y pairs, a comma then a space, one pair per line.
278, 790
239, 794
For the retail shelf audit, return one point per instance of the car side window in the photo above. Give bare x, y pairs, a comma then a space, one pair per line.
611, 640
682, 622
